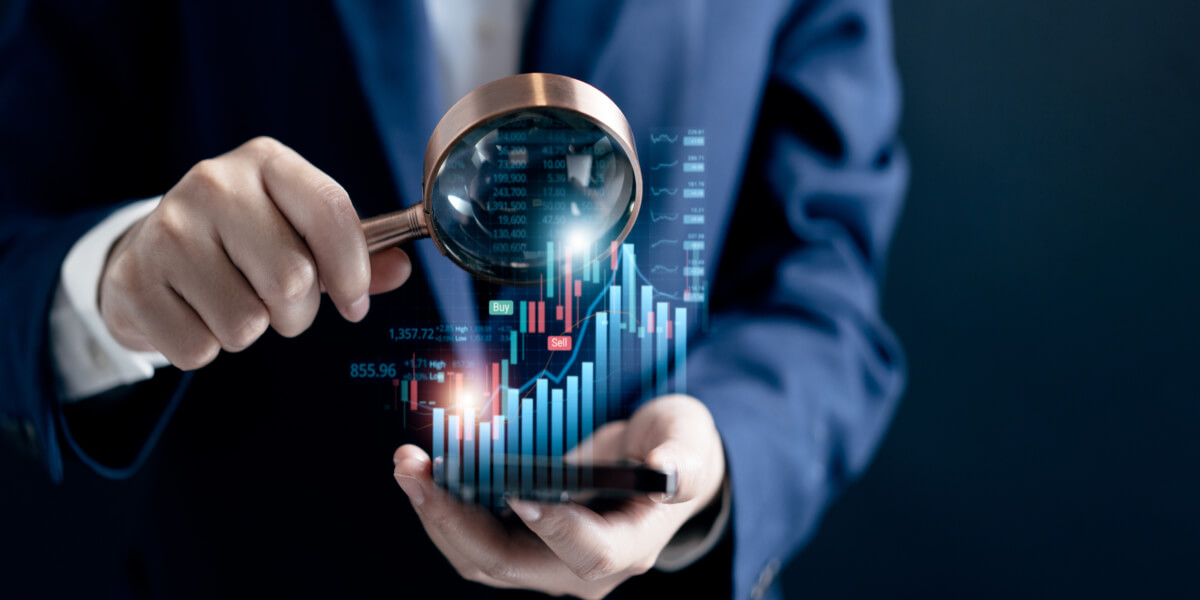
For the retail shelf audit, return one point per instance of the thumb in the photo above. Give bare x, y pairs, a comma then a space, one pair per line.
676, 434
684, 471
389, 270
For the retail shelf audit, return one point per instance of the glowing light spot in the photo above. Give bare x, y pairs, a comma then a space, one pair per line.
578, 240
459, 204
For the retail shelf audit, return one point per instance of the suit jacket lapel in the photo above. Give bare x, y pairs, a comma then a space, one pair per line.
394, 54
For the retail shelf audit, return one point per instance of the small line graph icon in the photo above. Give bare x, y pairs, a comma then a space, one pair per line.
661, 242
655, 217
661, 191
664, 165
670, 139
658, 268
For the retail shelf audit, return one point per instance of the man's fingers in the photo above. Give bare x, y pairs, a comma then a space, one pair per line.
243, 241
222, 298
412, 466
412, 470
389, 270
321, 212
676, 434
674, 458
484, 551
273, 258
591, 546
606, 445
578, 536
573, 549
173, 328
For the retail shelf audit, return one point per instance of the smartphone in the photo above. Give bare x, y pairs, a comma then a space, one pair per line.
550, 480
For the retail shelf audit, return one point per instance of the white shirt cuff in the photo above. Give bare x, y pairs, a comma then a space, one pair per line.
87, 359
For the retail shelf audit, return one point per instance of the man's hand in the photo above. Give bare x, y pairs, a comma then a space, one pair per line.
245, 240
569, 549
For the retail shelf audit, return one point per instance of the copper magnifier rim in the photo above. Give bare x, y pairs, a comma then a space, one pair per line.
484, 104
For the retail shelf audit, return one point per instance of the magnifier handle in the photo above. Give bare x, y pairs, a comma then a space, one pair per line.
392, 229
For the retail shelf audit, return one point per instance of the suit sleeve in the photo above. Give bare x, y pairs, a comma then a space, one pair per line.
800, 372
79, 126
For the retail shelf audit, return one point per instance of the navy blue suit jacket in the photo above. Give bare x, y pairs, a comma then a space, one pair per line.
271, 472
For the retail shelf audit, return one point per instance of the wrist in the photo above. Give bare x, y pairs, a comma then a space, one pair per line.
87, 359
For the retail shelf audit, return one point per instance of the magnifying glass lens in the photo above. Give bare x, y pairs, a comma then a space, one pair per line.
518, 185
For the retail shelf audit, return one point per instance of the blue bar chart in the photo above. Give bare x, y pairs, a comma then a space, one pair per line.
517, 438
584, 348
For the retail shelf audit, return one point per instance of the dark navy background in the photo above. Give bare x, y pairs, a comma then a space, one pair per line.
1045, 280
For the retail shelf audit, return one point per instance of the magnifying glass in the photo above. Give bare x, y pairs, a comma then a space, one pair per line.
516, 168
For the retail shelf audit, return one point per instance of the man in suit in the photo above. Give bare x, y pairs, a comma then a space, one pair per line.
177, 364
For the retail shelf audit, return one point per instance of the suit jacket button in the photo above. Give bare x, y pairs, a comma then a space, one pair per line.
20, 433
30, 435
765, 579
